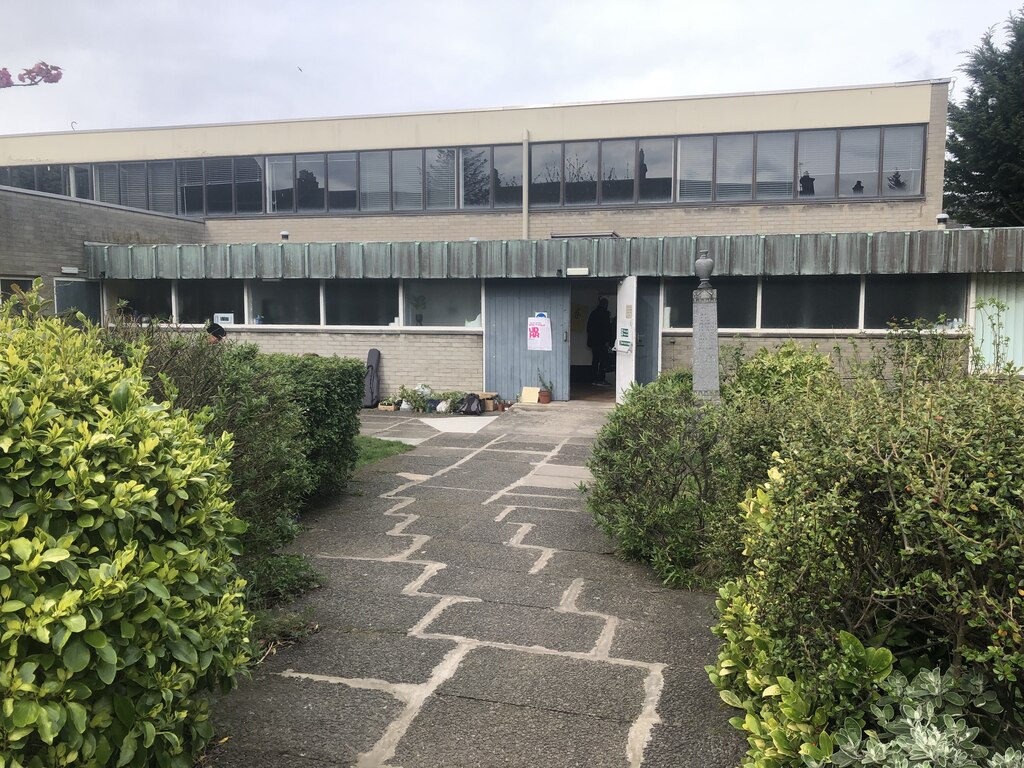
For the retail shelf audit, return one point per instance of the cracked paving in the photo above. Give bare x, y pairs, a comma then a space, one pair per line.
473, 616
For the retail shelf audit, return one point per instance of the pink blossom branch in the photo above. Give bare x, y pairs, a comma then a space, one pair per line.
40, 73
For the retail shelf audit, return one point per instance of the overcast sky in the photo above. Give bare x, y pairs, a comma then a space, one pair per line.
158, 62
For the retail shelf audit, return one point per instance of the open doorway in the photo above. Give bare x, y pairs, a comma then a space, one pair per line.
585, 296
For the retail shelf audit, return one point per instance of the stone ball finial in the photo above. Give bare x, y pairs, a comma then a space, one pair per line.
704, 266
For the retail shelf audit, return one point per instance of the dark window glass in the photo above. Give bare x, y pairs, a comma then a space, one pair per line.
407, 179
696, 157
5, 177
737, 301
310, 183
508, 176
810, 302
904, 298
133, 185
249, 184
902, 160
200, 300
374, 181
453, 303
24, 177
286, 302
775, 166
816, 164
219, 181
545, 174
281, 181
143, 300
7, 283
618, 162
858, 162
361, 302
581, 173
440, 165
475, 165
342, 181
160, 178
734, 167
71, 296
50, 178
190, 188
654, 170
83, 182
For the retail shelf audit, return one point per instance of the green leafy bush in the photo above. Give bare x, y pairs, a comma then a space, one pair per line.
329, 391
121, 603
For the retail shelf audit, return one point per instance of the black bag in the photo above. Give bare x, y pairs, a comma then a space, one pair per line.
471, 405
371, 384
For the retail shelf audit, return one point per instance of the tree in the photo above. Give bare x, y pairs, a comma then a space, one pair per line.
985, 170
40, 73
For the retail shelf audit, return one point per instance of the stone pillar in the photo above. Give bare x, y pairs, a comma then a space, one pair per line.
705, 333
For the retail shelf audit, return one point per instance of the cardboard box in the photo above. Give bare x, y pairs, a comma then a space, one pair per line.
487, 399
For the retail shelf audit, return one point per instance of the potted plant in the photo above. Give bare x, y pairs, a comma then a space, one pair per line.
545, 389
386, 404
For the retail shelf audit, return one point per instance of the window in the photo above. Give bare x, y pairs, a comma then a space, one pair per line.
475, 168
581, 173
133, 185
775, 166
508, 176
407, 179
140, 300
902, 161
737, 301
82, 175
310, 183
902, 298
200, 300
286, 302
249, 184
374, 181
342, 181
107, 184
810, 302
734, 167
696, 156
6, 283
654, 170
816, 164
5, 177
71, 296
160, 177
858, 162
281, 183
618, 162
440, 165
361, 302
453, 303
50, 178
24, 177
545, 174
219, 183
190, 187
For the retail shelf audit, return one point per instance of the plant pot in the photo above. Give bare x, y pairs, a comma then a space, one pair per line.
544, 397
382, 407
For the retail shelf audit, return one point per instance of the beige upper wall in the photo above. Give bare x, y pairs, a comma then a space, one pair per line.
839, 107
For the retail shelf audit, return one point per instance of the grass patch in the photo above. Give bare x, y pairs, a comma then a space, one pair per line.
371, 449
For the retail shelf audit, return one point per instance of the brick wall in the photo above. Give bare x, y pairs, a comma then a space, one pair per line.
677, 348
443, 360
40, 233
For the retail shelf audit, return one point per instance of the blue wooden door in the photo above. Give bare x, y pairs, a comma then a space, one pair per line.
508, 364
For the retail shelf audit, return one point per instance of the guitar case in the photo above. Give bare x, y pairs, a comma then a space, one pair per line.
371, 384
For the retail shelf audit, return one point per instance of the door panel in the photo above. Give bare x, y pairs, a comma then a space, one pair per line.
508, 364
625, 337
648, 332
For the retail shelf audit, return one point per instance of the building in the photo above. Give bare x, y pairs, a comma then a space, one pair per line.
434, 236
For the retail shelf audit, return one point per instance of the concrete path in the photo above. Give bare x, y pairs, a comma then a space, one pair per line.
473, 616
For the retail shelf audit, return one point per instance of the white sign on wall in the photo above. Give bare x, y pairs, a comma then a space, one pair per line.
538, 334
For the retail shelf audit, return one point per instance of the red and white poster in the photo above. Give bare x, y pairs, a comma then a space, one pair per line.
538, 334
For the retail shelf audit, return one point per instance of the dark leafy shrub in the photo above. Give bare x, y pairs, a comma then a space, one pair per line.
329, 391
653, 485
121, 603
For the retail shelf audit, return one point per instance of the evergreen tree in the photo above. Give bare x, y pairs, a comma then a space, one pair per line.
985, 168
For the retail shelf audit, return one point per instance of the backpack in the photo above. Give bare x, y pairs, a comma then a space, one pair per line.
471, 405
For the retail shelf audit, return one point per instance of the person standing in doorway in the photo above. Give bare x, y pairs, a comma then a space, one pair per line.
599, 338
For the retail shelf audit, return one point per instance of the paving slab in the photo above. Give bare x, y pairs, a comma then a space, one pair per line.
459, 732
277, 718
540, 497
519, 625
499, 586
477, 554
556, 683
